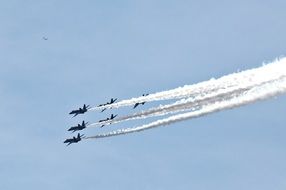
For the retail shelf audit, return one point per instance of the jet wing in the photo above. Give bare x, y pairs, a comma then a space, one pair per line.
75, 114
137, 104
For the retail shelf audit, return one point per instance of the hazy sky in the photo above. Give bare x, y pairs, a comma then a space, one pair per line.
102, 49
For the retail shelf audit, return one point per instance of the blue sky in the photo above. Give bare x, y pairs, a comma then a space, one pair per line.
102, 49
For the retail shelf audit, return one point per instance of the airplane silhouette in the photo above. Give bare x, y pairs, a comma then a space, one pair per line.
138, 103
80, 110
74, 139
107, 119
107, 103
78, 127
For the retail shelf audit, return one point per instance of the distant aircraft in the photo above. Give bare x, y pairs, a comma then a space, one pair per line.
78, 127
108, 103
74, 139
45, 38
138, 103
107, 119
80, 110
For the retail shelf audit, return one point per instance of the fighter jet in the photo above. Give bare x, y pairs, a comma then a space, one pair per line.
78, 127
138, 103
80, 110
107, 103
74, 139
107, 119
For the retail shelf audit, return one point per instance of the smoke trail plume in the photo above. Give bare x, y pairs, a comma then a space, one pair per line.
185, 104
266, 73
257, 93
237, 82
227, 92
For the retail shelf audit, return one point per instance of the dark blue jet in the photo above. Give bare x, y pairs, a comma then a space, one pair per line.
137, 104
74, 139
80, 110
107, 119
78, 127
107, 103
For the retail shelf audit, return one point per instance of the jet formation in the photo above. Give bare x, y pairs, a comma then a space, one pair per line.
84, 124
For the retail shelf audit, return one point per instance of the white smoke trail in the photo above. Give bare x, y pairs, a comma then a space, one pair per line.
243, 83
187, 104
266, 72
257, 93
178, 106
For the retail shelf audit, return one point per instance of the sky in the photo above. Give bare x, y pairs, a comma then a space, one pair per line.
102, 49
